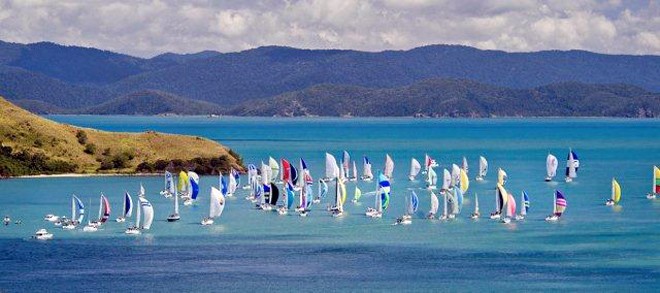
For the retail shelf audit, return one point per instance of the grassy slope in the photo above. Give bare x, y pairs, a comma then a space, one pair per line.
23, 130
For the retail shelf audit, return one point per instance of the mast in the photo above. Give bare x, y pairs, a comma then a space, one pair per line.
476, 203
73, 208
137, 216
176, 204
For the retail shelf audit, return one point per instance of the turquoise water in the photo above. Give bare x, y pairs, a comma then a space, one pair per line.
593, 247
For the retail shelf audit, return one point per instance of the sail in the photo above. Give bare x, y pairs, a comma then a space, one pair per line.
217, 203
342, 188
384, 188
414, 203
338, 201
432, 177
290, 195
551, 165
142, 192
323, 189
128, 205
511, 206
194, 184
252, 174
183, 182
389, 166
232, 181
306, 178
455, 174
293, 178
105, 204
616, 191
345, 161
476, 204
656, 180
354, 170
264, 174
502, 198
274, 167
459, 198
572, 164
357, 194
366, 172
286, 171
331, 169
525, 204
560, 203
501, 176
446, 180
415, 167
435, 203
429, 162
77, 208
169, 183
274, 194
483, 166
224, 188
147, 212
451, 198
465, 165
464, 181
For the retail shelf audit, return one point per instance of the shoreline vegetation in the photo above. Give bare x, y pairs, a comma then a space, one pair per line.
33, 145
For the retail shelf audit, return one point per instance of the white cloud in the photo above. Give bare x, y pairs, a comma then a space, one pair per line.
150, 27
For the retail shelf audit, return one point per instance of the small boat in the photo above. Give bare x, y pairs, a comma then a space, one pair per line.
42, 234
340, 197
475, 215
367, 175
455, 175
288, 199
192, 187
77, 213
175, 215
170, 187
572, 165
415, 167
551, 165
655, 186
616, 194
510, 209
388, 171
128, 208
357, 195
382, 197
435, 204
323, 191
464, 166
412, 203
104, 215
6, 220
483, 168
216, 206
234, 182
147, 209
354, 172
252, 177
51, 218
431, 179
524, 207
501, 197
428, 163
559, 207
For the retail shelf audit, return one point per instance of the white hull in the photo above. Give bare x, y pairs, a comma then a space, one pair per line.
520, 217
51, 218
207, 221
568, 179
42, 234
132, 231
90, 228
166, 194
337, 214
651, 196
479, 178
68, 226
495, 216
609, 202
282, 211
506, 220
548, 179
120, 220
173, 218
474, 216
552, 218
188, 202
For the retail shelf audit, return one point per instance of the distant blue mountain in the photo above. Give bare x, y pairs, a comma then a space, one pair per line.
76, 78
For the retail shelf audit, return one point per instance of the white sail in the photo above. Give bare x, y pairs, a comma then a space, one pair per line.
446, 180
366, 173
431, 178
232, 182
465, 165
435, 203
551, 165
264, 174
501, 176
455, 174
217, 204
345, 161
176, 205
415, 167
572, 164
483, 166
476, 204
274, 168
148, 213
354, 170
389, 166
331, 168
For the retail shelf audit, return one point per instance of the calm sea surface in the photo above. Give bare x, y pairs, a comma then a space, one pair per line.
593, 247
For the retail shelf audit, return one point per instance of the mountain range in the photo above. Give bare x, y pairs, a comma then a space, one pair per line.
436, 80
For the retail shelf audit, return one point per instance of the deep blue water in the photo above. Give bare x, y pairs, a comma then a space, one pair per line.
593, 247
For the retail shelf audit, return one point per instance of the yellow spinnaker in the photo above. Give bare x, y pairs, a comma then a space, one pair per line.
465, 181
183, 181
616, 191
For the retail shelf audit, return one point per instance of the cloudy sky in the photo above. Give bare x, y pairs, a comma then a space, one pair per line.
150, 27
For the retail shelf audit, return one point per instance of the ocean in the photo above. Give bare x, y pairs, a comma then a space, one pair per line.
593, 247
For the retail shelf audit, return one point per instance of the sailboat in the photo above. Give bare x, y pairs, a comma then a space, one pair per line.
323, 191
483, 168
551, 165
412, 203
183, 185
216, 206
415, 167
431, 178
382, 197
446, 180
340, 196
389, 167
655, 186
559, 206
616, 194
175, 215
428, 163
435, 203
252, 177
233, 182
524, 206
193, 185
572, 165
501, 198
170, 188
128, 208
476, 214
354, 172
331, 168
345, 161
367, 175
77, 213
357, 195
104, 214
455, 175
289, 198
148, 211
510, 209
465, 165
274, 168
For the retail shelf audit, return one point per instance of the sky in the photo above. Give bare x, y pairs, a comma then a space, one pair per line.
147, 28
